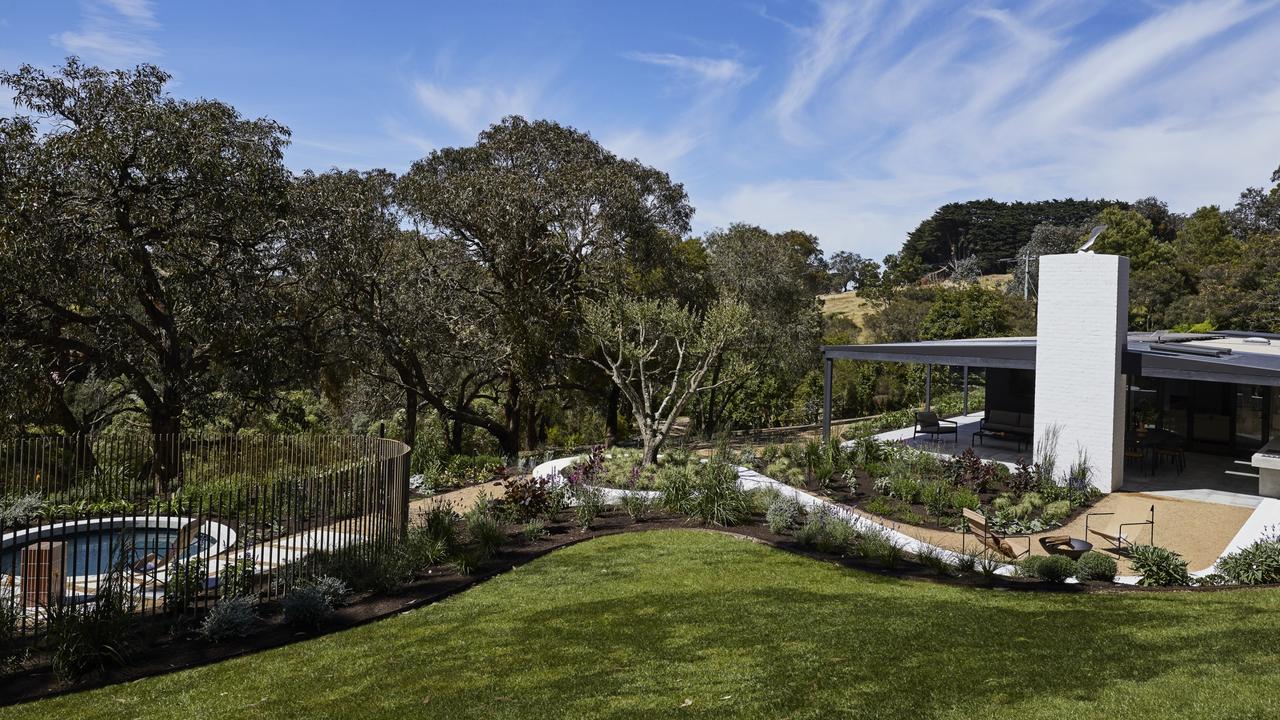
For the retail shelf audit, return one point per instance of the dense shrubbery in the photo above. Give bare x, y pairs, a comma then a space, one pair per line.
1257, 564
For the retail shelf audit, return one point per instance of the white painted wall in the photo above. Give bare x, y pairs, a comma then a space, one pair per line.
1081, 334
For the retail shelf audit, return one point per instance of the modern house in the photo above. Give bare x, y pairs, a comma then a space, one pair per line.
1108, 393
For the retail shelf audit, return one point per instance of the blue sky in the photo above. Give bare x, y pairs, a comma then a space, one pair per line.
850, 120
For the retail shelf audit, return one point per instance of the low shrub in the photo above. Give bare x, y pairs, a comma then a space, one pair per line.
962, 498
718, 498
1159, 567
785, 471
425, 547
21, 510
473, 469
1094, 565
1256, 564
306, 607
533, 530
233, 617
588, 504
904, 487
989, 564
782, 514
936, 497
466, 561
1053, 568
557, 501
675, 488
332, 589
826, 531
527, 497
967, 562
1212, 580
12, 654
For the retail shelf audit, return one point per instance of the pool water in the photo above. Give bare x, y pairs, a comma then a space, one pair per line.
96, 552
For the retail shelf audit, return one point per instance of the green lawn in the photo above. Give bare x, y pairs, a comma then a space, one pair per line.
639, 625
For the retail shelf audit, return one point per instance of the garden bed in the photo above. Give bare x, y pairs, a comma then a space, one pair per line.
536, 518
896, 482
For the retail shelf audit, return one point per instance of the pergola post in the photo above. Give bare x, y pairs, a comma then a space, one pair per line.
928, 387
826, 397
965, 393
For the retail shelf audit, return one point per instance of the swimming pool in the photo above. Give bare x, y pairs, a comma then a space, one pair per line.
94, 547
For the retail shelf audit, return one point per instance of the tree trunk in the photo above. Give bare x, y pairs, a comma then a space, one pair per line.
167, 459
611, 416
455, 435
410, 433
651, 444
512, 408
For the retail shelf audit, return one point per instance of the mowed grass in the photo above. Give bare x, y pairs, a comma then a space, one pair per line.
693, 624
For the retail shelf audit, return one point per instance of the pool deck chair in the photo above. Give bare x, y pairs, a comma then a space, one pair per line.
993, 541
1121, 535
928, 423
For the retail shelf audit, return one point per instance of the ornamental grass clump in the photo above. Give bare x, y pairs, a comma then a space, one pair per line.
1159, 567
934, 559
718, 498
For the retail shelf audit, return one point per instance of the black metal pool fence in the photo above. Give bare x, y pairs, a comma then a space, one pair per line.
177, 523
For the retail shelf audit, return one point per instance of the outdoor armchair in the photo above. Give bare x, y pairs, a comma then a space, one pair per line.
991, 540
1120, 535
928, 423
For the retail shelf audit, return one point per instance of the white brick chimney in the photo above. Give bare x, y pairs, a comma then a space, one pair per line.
1081, 329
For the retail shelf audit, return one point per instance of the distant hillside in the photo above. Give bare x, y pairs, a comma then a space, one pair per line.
992, 230
849, 305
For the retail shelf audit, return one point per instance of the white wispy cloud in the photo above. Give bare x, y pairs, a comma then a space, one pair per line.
113, 32
701, 69
469, 109
1022, 103
824, 48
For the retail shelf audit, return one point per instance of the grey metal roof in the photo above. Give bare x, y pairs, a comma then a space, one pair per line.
1179, 356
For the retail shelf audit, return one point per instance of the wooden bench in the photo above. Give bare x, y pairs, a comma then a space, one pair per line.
990, 539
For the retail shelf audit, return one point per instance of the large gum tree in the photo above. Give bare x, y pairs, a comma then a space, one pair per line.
547, 216
140, 237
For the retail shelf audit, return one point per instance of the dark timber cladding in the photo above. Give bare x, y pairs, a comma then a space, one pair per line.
1147, 354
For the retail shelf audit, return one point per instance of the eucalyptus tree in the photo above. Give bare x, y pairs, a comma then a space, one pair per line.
140, 235
546, 215
658, 353
392, 303
776, 276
